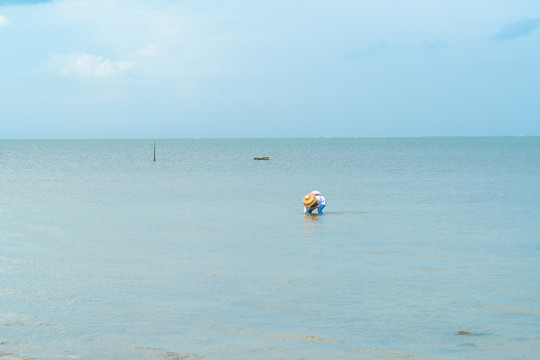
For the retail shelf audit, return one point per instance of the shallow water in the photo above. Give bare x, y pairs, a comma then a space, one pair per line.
206, 254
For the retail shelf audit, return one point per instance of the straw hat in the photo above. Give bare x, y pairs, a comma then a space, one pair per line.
309, 200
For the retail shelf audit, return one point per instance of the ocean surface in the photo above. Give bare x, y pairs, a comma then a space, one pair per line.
429, 248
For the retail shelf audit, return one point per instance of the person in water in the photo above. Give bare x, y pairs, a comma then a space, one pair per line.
313, 200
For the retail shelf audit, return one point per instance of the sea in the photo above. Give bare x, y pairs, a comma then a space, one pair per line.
428, 248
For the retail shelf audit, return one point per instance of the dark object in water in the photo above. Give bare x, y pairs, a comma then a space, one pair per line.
261, 158
463, 332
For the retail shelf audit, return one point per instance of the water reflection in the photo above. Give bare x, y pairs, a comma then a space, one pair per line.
312, 218
312, 224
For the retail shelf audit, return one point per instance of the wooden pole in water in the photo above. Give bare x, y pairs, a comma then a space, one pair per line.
154, 150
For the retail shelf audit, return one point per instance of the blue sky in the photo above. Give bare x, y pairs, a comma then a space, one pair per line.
239, 68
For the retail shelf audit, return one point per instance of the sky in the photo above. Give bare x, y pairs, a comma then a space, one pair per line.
249, 68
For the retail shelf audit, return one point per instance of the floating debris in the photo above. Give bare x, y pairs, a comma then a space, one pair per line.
463, 332
261, 158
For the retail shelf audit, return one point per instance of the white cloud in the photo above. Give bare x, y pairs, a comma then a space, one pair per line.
88, 66
4, 21
150, 50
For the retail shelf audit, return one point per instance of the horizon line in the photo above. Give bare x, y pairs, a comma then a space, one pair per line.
269, 138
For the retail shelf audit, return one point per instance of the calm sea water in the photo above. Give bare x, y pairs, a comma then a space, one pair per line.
206, 254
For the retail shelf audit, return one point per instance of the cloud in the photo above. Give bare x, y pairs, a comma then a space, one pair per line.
22, 2
4, 21
81, 65
516, 29
150, 50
